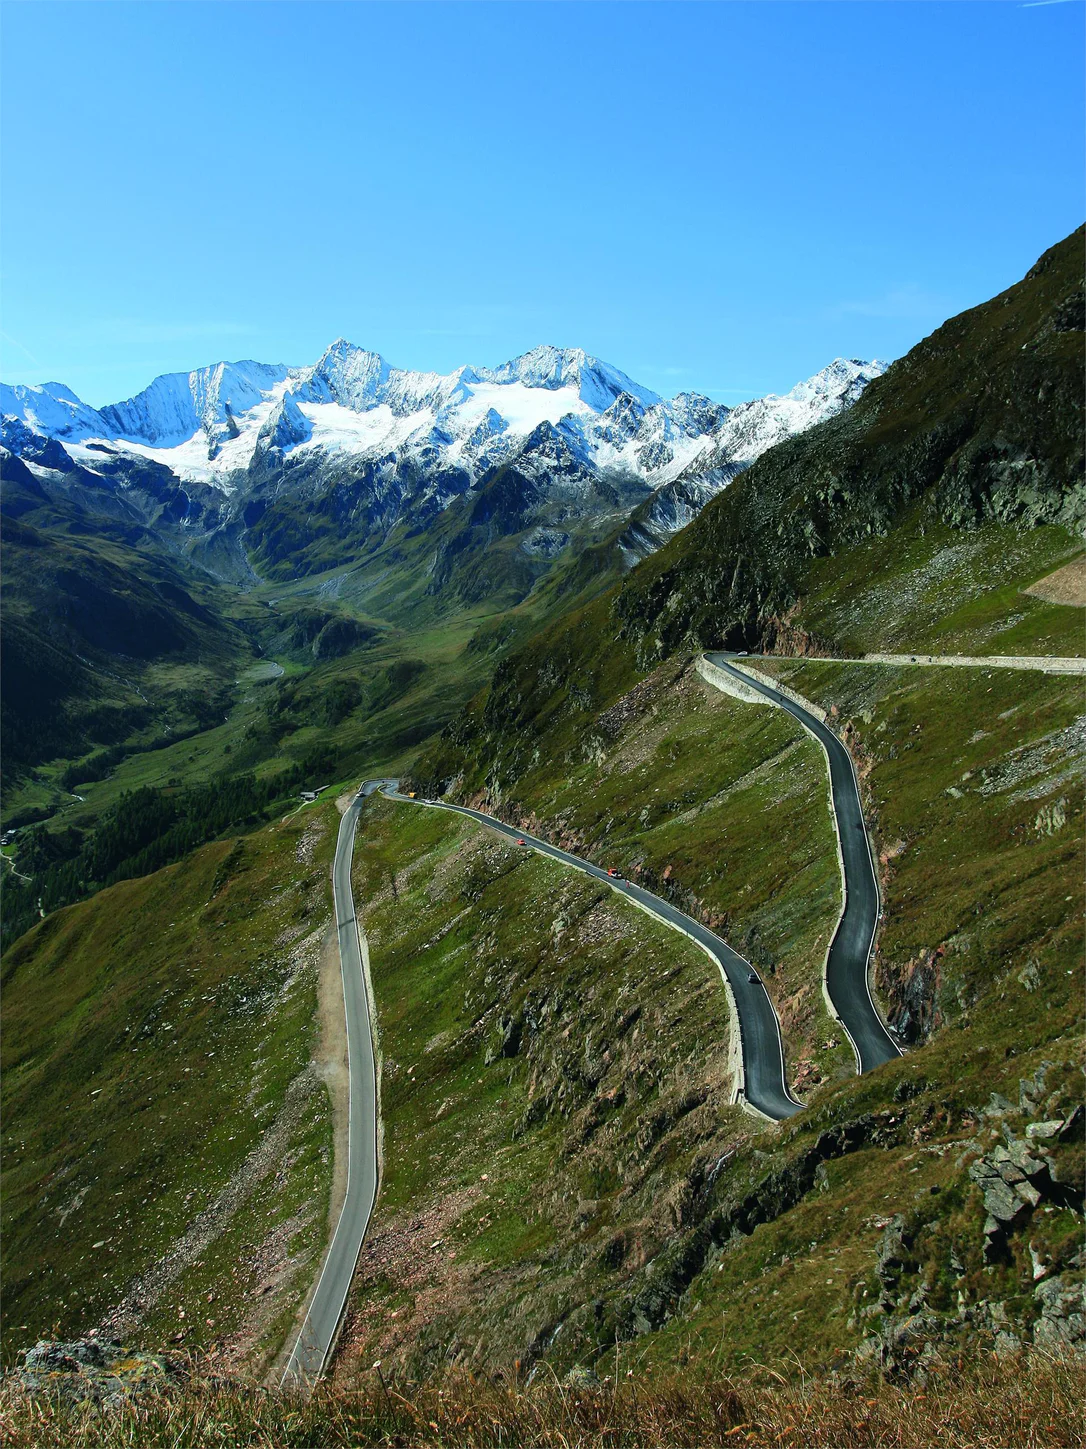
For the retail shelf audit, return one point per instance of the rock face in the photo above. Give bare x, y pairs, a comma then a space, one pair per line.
1062, 1321
1026, 1182
99, 1370
1006, 1177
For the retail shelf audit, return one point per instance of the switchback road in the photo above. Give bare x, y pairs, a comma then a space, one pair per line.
763, 1085
848, 962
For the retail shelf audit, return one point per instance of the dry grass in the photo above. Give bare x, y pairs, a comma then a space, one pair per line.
1023, 1403
1065, 586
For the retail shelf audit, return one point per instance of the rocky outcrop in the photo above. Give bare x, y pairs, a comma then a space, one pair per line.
669, 1275
1022, 1181
100, 1371
1062, 1320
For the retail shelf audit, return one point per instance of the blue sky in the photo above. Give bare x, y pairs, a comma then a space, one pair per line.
717, 197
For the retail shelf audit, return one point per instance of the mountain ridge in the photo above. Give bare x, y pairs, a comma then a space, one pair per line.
475, 413
253, 469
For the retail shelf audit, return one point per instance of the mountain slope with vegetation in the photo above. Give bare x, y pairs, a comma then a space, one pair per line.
871, 1222
567, 1189
167, 1130
919, 519
982, 422
93, 626
957, 474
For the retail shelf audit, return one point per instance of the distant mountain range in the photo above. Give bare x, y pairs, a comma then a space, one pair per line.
299, 469
220, 424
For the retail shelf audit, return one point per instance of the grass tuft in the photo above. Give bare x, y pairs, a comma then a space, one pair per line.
988, 1403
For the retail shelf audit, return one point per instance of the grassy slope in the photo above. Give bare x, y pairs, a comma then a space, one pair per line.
518, 1178
158, 1091
983, 946
974, 785
378, 733
693, 794
983, 942
944, 591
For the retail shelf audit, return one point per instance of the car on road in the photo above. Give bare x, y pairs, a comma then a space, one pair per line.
614, 874
753, 979
522, 842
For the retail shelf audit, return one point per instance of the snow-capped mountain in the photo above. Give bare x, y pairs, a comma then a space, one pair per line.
208, 425
743, 436
569, 437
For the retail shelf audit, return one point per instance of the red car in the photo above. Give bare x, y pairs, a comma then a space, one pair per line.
522, 842
616, 874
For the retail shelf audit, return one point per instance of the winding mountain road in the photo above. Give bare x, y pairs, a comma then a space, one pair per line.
847, 965
761, 1080
763, 1085
321, 1323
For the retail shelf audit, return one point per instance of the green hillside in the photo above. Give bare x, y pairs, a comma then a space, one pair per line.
104, 643
167, 1130
916, 519
566, 1185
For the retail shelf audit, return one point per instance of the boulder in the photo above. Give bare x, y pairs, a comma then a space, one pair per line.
101, 1371
1062, 1323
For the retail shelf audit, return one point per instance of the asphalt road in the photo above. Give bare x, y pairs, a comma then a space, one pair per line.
847, 982
763, 1058
764, 1087
321, 1324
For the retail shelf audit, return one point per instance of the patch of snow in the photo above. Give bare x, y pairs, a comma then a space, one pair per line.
521, 407
376, 431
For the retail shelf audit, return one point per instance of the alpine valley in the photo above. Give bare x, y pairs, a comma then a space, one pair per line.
541, 593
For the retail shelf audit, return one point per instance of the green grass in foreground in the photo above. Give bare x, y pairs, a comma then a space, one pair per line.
167, 1142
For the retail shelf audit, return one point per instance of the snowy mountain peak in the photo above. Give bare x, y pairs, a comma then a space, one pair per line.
50, 408
558, 413
177, 404
346, 374
843, 380
598, 384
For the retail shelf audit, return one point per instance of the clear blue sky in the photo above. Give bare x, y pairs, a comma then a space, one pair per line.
719, 197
